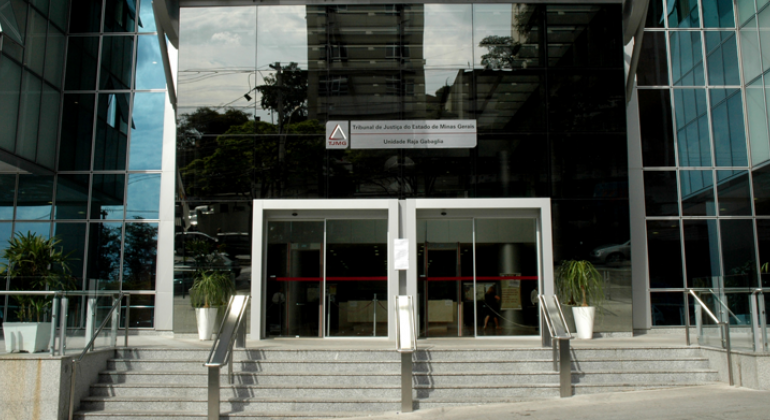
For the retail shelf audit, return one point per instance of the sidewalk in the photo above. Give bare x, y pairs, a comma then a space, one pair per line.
710, 402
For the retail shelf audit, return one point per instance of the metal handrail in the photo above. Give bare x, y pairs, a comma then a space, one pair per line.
232, 328
724, 329
559, 333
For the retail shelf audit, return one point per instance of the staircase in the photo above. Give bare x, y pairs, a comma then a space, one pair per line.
144, 383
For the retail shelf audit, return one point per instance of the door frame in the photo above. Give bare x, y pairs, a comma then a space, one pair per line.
538, 208
287, 210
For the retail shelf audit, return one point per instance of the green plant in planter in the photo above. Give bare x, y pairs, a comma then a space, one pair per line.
578, 282
36, 264
211, 289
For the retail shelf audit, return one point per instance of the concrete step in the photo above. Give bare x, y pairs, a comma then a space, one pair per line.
693, 376
259, 354
191, 415
254, 404
544, 365
380, 366
286, 378
200, 391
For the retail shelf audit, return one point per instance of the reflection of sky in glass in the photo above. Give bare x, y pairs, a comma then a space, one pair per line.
5, 235
146, 16
41, 229
281, 36
447, 36
217, 38
149, 68
143, 196
147, 136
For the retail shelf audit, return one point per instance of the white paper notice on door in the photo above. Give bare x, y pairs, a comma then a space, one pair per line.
401, 254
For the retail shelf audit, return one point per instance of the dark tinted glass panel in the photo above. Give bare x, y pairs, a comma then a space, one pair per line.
147, 131
107, 195
117, 60
149, 67
143, 196
586, 101
437, 173
588, 166
87, 16
655, 14
29, 116
49, 127
146, 17
701, 246
54, 56
697, 189
223, 166
10, 86
142, 311
734, 194
73, 240
584, 36
437, 94
692, 127
120, 16
581, 226
58, 13
718, 14
34, 198
104, 255
761, 181
111, 132
77, 128
686, 59
508, 36
763, 237
729, 132
303, 165
722, 56
139, 256
660, 196
683, 14
738, 254
653, 61
366, 173
34, 51
71, 196
7, 193
512, 166
667, 309
664, 254
505, 101
81, 63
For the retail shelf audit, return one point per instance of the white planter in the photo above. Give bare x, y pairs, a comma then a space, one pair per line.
26, 336
207, 318
584, 321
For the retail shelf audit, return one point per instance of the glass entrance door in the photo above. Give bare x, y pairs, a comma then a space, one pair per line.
326, 278
478, 277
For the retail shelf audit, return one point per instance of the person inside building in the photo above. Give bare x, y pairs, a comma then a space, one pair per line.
491, 300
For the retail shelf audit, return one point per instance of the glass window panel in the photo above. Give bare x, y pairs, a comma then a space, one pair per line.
149, 67
37, 228
282, 36
581, 226
139, 256
446, 94
692, 127
664, 254
655, 14
752, 63
448, 36
49, 127
19, 9
73, 240
508, 36
697, 189
763, 237
599, 171
147, 131
120, 16
34, 49
34, 197
6, 229
81, 63
653, 61
29, 116
77, 128
667, 309
88, 16
143, 311
722, 55
146, 16
683, 14
104, 255
761, 184
505, 101
107, 196
729, 132
143, 196
745, 10
58, 13
71, 196
203, 45
54, 56
763, 20
686, 58
734, 193
757, 115
10, 87
701, 246
117, 56
359, 173
738, 254
7, 194
512, 166
305, 159
584, 101
111, 131
200, 100
583, 36
718, 14
660, 195
761, 3
437, 172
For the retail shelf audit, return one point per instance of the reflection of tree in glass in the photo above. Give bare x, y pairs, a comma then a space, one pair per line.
192, 127
504, 50
107, 261
139, 256
285, 93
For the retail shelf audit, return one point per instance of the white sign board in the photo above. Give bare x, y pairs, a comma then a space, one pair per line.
401, 254
401, 134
